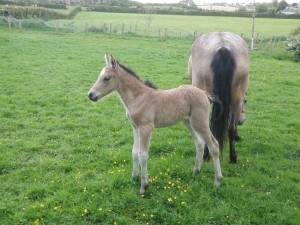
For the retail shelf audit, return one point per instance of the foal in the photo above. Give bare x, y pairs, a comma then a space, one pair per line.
148, 108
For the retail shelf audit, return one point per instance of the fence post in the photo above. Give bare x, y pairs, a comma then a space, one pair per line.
20, 24
56, 25
9, 22
166, 33
159, 33
86, 27
110, 26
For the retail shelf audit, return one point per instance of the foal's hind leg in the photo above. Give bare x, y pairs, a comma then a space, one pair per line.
213, 147
199, 147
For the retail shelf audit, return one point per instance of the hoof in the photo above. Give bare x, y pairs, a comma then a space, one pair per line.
217, 183
195, 173
237, 138
143, 191
233, 160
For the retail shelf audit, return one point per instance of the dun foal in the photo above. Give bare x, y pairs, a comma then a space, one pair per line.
148, 108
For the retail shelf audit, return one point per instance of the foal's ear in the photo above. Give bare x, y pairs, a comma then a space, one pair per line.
110, 61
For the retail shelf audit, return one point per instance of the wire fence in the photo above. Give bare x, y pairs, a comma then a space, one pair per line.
124, 30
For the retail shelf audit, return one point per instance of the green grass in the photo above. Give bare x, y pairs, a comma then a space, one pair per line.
64, 160
186, 25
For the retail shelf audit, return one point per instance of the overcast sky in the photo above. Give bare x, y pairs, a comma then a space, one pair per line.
199, 2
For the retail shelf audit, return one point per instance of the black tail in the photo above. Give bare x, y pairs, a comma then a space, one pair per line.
222, 66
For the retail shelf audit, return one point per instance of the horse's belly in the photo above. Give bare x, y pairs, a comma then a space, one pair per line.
171, 118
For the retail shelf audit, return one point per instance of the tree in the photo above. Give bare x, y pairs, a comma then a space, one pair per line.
282, 5
188, 3
262, 8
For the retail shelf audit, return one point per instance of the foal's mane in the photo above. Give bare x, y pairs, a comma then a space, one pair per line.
132, 73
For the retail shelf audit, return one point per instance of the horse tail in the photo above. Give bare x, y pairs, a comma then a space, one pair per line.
222, 66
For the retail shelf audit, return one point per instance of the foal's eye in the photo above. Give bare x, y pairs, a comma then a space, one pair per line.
106, 79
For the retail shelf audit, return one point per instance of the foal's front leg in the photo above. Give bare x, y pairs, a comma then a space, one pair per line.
135, 154
144, 134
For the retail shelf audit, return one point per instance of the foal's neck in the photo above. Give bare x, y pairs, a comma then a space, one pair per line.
130, 88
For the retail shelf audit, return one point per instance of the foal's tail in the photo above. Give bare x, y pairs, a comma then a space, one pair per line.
223, 66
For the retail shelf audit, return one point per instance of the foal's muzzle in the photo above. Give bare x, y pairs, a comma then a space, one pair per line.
93, 96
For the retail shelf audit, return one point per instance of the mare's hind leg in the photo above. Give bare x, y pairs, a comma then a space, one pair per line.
199, 147
232, 132
206, 155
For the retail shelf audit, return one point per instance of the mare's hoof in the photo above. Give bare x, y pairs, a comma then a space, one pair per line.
237, 138
233, 160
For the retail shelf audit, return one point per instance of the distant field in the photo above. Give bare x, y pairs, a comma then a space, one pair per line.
64, 160
186, 25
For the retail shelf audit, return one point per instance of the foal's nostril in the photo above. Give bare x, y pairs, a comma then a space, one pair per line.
90, 95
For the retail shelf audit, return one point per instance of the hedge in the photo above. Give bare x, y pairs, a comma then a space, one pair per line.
195, 12
19, 12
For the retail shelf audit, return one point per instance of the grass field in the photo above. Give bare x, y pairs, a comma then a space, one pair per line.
64, 160
183, 25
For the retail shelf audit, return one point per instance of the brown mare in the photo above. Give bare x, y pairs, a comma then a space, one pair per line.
219, 64
148, 108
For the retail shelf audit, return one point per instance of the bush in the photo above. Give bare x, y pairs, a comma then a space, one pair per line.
293, 45
296, 32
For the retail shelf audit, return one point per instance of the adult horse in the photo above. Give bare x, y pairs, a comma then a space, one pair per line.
219, 64
148, 108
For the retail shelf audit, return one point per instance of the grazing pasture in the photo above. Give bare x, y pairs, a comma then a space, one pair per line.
181, 25
64, 160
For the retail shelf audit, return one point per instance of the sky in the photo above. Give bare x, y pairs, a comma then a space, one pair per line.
199, 2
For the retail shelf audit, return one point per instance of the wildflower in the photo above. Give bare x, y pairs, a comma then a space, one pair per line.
100, 209
185, 191
151, 215
37, 221
183, 203
170, 199
42, 205
85, 210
